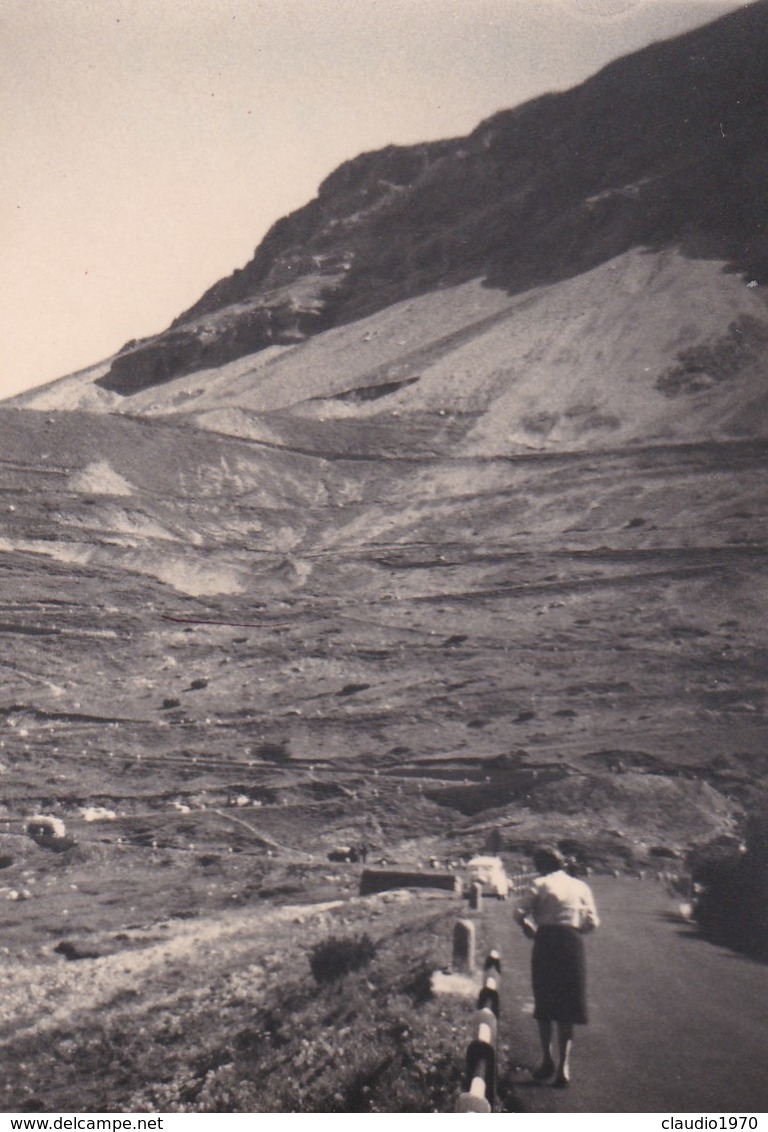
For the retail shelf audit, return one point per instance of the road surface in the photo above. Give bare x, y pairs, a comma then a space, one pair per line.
676, 1024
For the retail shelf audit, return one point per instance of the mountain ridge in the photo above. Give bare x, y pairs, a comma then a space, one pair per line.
658, 152
531, 196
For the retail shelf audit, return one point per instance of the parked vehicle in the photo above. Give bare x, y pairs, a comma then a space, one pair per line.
491, 874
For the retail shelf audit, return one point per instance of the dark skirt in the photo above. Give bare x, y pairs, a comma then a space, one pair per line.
559, 976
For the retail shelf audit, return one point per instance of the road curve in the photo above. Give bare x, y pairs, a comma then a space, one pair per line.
676, 1024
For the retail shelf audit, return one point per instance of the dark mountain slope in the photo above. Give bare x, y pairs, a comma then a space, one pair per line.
665, 147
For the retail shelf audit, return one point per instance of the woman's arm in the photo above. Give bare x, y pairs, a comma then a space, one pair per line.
524, 912
589, 917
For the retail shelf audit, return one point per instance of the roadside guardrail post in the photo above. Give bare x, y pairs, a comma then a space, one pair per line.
493, 962
480, 1076
489, 994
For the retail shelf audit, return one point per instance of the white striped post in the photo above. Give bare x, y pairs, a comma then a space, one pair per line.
491, 989
480, 1074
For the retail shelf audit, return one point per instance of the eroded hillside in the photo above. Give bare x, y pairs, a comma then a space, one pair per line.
377, 648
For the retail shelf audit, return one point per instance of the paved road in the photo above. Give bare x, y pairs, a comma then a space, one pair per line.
677, 1025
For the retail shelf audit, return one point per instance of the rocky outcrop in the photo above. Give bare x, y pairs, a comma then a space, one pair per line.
208, 344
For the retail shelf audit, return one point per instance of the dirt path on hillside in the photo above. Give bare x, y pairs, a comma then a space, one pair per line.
41, 997
677, 1024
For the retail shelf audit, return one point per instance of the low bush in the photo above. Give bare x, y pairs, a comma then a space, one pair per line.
731, 907
336, 956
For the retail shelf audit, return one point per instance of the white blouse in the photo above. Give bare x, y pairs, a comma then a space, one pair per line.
559, 899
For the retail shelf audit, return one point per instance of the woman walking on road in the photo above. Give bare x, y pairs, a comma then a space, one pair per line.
556, 912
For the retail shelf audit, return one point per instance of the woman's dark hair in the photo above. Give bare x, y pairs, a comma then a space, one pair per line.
547, 860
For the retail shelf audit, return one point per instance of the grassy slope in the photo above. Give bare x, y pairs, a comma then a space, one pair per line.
222, 1015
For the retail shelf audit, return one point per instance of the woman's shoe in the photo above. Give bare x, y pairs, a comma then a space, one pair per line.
561, 1081
544, 1071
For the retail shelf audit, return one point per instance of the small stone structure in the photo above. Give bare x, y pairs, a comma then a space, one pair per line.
464, 946
381, 880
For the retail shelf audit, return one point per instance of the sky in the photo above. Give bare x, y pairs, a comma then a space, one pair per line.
148, 145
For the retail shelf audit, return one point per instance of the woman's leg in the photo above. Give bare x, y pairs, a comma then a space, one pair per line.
547, 1067
564, 1043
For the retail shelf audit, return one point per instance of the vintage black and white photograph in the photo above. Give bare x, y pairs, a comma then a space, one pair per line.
383, 557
